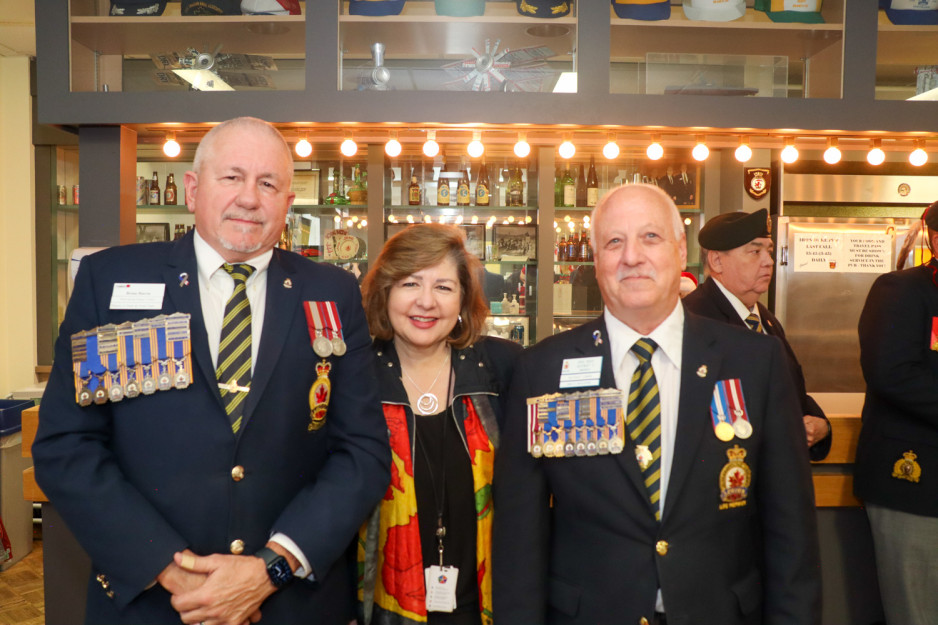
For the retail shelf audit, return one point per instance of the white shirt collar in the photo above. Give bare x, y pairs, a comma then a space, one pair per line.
737, 304
669, 335
209, 260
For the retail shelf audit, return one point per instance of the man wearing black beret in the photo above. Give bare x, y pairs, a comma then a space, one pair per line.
740, 258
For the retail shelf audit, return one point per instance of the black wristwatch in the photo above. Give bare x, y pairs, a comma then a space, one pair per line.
277, 567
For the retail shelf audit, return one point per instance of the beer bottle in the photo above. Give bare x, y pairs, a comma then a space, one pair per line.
155, 190
592, 185
516, 188
581, 187
169, 195
462, 189
569, 188
413, 190
483, 193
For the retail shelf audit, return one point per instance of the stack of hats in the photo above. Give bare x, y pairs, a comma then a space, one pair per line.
138, 7
911, 11
804, 11
714, 10
648, 10
536, 8
731, 230
375, 7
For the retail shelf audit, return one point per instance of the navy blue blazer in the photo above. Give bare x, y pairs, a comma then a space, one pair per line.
900, 411
576, 541
141, 479
709, 301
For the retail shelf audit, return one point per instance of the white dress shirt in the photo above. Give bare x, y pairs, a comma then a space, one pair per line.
738, 305
666, 362
215, 287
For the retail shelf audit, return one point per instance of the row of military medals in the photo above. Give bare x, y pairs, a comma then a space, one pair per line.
113, 362
325, 333
728, 411
589, 423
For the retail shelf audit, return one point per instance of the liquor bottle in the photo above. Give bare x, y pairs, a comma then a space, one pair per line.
413, 190
483, 192
573, 248
592, 185
515, 188
558, 186
442, 187
581, 187
178, 231
356, 192
584, 246
562, 248
155, 190
569, 188
463, 196
589, 250
169, 195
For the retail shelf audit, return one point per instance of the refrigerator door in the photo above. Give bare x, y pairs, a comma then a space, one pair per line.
824, 269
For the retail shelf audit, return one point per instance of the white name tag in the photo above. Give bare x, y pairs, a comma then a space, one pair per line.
577, 372
128, 296
441, 588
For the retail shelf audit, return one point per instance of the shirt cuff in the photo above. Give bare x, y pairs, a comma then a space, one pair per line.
284, 541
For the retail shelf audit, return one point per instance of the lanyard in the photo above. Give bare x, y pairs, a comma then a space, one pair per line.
439, 500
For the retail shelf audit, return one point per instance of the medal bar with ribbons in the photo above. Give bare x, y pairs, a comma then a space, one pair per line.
325, 335
96, 368
108, 347
718, 414
574, 425
80, 368
164, 380
178, 337
129, 368
144, 348
733, 389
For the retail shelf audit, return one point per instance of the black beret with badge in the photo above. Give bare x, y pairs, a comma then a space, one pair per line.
731, 230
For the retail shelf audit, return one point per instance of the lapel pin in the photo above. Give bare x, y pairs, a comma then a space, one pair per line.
597, 338
183, 279
288, 283
702, 371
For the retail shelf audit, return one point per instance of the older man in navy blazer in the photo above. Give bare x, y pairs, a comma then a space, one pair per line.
707, 514
186, 512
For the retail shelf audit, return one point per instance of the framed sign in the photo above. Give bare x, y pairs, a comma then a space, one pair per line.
475, 239
514, 243
147, 233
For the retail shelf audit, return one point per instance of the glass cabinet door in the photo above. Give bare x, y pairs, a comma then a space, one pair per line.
906, 65
456, 45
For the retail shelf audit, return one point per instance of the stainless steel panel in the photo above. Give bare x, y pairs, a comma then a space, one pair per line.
856, 188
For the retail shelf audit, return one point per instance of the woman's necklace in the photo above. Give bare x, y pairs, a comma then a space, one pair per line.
428, 403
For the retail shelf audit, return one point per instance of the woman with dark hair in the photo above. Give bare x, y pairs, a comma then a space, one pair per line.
425, 555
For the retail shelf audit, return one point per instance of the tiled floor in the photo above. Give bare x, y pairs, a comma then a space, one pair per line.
21, 592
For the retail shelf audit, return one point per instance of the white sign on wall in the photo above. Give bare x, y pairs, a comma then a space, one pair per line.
847, 252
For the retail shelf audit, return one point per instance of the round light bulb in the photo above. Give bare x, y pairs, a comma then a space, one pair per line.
611, 150
566, 149
789, 154
522, 148
349, 148
743, 153
654, 151
700, 152
171, 148
832, 155
876, 156
431, 148
303, 148
393, 148
918, 157
475, 148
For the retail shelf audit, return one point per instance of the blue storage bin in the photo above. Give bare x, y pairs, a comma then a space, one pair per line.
11, 411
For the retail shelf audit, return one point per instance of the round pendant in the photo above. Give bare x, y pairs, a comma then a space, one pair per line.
742, 428
427, 404
182, 379
322, 346
163, 382
724, 431
338, 346
149, 386
116, 392
133, 389
615, 446
536, 451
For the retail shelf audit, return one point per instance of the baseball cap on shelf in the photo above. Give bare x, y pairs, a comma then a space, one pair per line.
460, 8
270, 7
211, 7
804, 11
138, 7
714, 10
905, 12
648, 10
375, 7
540, 8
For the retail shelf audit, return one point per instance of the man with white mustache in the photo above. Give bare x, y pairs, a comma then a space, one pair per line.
690, 500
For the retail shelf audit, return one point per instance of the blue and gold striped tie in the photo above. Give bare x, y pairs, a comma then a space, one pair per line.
234, 349
643, 421
754, 323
